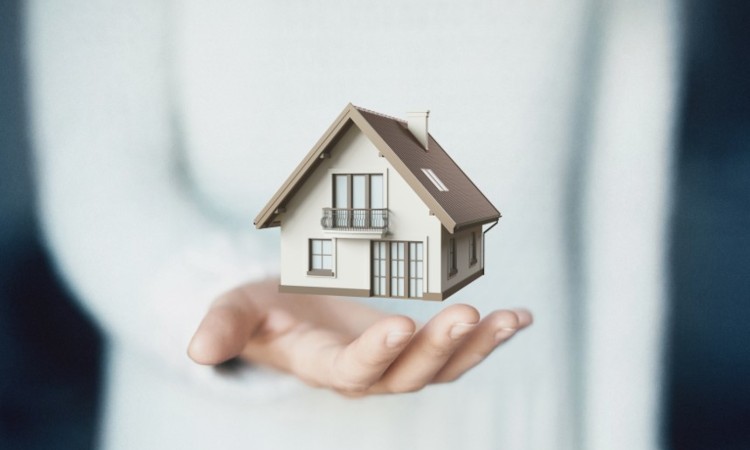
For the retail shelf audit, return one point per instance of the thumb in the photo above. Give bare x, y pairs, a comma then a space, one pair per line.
226, 328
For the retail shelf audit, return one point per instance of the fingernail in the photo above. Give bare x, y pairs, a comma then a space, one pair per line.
503, 333
397, 338
460, 330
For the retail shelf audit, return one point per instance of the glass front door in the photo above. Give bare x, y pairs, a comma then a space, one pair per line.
397, 269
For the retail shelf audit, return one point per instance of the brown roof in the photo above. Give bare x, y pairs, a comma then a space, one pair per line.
461, 205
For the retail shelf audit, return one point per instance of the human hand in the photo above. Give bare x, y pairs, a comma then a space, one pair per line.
346, 346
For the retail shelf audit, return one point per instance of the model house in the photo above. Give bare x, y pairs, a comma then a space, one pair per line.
377, 208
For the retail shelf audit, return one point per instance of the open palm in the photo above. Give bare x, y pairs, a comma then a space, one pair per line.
346, 346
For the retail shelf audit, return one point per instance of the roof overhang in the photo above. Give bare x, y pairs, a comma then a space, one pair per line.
351, 116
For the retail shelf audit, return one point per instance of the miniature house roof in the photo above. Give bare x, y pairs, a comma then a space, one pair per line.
432, 174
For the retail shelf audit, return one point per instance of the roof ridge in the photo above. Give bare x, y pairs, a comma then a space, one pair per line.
359, 108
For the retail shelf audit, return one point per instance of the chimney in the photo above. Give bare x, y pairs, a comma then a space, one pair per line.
417, 123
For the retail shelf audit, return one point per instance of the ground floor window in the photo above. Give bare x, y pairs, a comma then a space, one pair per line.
397, 269
321, 257
452, 260
473, 249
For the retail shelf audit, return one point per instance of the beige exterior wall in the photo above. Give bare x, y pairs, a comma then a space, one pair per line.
409, 220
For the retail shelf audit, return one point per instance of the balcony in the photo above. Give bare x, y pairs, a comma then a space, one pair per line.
355, 220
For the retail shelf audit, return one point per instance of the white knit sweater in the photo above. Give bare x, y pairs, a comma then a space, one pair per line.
162, 127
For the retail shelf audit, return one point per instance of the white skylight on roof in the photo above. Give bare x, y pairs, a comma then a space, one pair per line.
435, 180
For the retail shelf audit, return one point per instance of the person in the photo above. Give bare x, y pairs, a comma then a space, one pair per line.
162, 127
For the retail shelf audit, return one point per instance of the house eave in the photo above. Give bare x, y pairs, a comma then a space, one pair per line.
268, 217
269, 212
464, 225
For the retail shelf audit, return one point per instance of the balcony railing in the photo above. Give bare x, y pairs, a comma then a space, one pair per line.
346, 219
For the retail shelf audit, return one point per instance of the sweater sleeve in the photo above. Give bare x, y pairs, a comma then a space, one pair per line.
627, 205
116, 204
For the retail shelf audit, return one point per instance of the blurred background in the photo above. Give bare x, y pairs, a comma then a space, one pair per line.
708, 397
51, 353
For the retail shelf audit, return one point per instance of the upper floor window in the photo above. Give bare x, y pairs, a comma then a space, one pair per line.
358, 201
358, 191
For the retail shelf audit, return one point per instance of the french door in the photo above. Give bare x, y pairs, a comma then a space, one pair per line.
397, 269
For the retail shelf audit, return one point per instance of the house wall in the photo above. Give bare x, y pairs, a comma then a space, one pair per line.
465, 269
409, 220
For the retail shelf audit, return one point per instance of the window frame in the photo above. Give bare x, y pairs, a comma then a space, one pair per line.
321, 272
349, 217
452, 258
417, 257
473, 249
